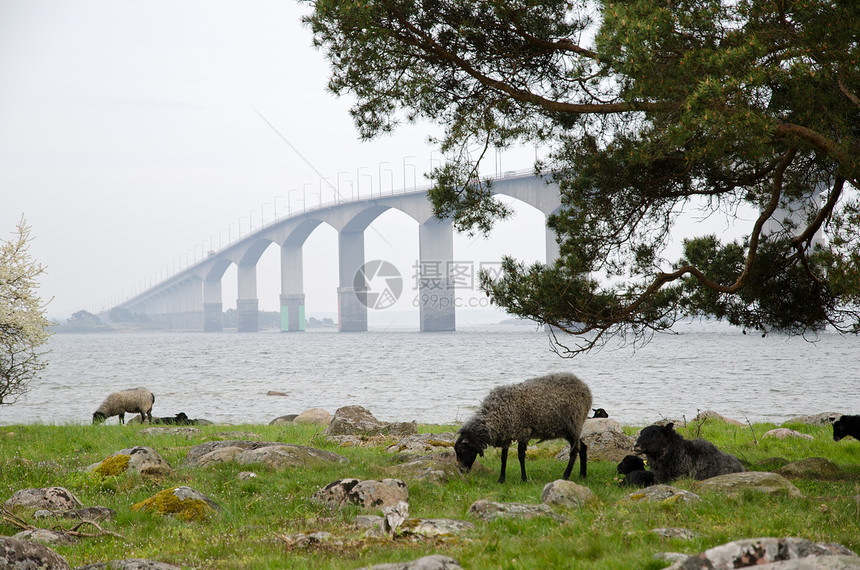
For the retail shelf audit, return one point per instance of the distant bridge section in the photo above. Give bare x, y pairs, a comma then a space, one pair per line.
191, 298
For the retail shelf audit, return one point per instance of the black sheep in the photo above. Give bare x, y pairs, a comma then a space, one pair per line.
633, 470
180, 420
671, 457
599, 413
846, 425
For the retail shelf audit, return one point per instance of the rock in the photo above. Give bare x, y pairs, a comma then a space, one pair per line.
288, 455
763, 481
672, 532
25, 555
600, 425
231, 435
275, 393
822, 419
356, 420
245, 475
46, 536
195, 456
186, 432
711, 415
313, 416
434, 562
437, 468
220, 455
812, 468
608, 445
140, 459
183, 502
306, 540
567, 494
762, 552
430, 528
283, 420
662, 494
366, 494
423, 443
785, 433
131, 564
368, 522
51, 498
491, 510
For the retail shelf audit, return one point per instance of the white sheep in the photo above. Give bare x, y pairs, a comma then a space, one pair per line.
133, 401
547, 407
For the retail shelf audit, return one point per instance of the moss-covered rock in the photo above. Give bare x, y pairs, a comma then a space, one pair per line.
182, 502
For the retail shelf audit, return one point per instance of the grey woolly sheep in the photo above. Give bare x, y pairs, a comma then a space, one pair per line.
671, 457
549, 407
633, 470
133, 401
846, 425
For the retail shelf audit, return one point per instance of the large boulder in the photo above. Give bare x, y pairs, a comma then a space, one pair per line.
366, 494
733, 483
51, 498
567, 494
197, 455
288, 455
357, 420
822, 419
785, 433
139, 459
491, 510
769, 553
662, 494
812, 468
313, 416
424, 443
25, 555
610, 445
711, 415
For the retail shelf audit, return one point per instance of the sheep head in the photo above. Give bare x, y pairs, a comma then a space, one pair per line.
467, 450
99, 417
655, 440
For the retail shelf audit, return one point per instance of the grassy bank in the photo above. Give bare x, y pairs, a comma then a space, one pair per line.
257, 513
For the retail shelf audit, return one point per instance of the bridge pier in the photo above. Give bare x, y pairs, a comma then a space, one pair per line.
292, 289
352, 291
435, 286
247, 305
292, 312
213, 308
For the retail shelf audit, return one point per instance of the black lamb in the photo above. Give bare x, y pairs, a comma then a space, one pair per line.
671, 457
180, 419
846, 425
633, 470
548, 407
599, 413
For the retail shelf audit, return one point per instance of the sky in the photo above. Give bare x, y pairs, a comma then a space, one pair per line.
135, 135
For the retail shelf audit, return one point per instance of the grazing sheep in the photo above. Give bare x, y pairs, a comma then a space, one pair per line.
599, 413
180, 420
633, 470
133, 401
671, 457
548, 407
846, 425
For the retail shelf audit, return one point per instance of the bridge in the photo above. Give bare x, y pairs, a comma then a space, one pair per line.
191, 298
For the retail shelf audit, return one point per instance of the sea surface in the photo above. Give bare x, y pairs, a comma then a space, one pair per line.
440, 377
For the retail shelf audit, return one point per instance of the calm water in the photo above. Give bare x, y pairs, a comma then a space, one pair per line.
439, 377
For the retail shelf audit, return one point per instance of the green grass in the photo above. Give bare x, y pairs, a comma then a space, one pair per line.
258, 511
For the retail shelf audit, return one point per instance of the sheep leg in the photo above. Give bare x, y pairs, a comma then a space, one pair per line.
504, 463
122, 417
521, 455
577, 447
